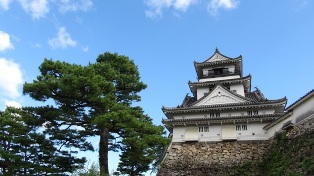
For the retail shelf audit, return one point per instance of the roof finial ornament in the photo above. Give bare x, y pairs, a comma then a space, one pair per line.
216, 49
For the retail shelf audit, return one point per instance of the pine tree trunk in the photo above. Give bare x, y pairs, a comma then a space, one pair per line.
103, 151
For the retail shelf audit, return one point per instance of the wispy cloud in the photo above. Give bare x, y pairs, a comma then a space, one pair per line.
5, 42
37, 8
10, 84
62, 40
36, 45
156, 7
215, 5
302, 5
12, 103
74, 5
85, 48
183, 4
4, 4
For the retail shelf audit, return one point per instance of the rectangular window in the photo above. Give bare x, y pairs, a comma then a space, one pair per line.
241, 127
203, 129
217, 114
249, 113
225, 71
255, 112
244, 127
210, 72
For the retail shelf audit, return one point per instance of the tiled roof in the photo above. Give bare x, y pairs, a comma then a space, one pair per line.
255, 97
216, 62
217, 52
188, 101
301, 99
236, 80
170, 123
289, 108
222, 118
276, 121
268, 103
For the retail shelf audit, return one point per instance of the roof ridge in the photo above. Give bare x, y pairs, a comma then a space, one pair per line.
218, 52
297, 101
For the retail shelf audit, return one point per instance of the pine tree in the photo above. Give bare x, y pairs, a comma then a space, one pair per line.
141, 146
92, 100
24, 150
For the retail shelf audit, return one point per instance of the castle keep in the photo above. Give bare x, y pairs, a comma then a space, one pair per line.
222, 106
224, 124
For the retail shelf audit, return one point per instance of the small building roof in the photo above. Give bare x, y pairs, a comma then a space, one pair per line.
289, 109
300, 100
217, 60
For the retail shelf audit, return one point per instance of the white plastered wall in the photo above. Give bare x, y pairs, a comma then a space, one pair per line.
223, 113
254, 131
220, 78
299, 110
201, 92
239, 88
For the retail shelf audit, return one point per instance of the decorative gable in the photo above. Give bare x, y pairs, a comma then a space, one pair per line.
220, 96
217, 57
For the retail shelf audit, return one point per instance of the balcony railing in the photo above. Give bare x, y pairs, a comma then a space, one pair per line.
213, 75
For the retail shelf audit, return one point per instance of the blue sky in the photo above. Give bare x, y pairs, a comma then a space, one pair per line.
163, 37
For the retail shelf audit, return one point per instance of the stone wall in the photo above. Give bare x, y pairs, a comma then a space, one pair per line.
302, 127
221, 158
203, 158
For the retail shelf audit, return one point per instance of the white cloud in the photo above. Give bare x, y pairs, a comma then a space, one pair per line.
10, 78
182, 4
4, 4
37, 45
74, 5
85, 48
5, 42
156, 7
215, 5
37, 8
62, 40
12, 103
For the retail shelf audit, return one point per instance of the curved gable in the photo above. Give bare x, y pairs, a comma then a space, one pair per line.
220, 96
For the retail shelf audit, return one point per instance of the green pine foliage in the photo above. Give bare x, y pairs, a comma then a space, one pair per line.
94, 100
142, 143
24, 150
